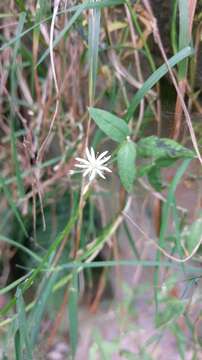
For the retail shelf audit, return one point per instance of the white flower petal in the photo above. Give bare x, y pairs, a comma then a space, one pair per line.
100, 174
93, 175
82, 160
87, 171
102, 155
82, 166
93, 166
104, 160
104, 168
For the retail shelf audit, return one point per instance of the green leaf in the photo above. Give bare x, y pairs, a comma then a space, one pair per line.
144, 169
162, 148
163, 163
163, 153
111, 125
126, 164
154, 177
192, 234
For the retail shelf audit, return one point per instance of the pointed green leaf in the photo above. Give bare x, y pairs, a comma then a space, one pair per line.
111, 125
162, 148
126, 164
191, 235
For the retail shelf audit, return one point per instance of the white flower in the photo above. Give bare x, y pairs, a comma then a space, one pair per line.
93, 165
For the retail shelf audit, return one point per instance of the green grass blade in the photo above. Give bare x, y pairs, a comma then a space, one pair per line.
22, 323
21, 247
112, 263
14, 208
18, 348
131, 240
174, 27
62, 34
74, 18
86, 6
73, 312
154, 78
177, 232
165, 218
29, 282
93, 47
14, 283
40, 307
184, 37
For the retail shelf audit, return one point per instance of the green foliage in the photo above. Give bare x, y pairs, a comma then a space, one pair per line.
126, 164
154, 177
23, 339
162, 153
93, 47
154, 78
73, 313
38, 311
162, 149
111, 125
184, 34
173, 310
18, 349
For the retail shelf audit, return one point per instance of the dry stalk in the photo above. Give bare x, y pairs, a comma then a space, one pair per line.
164, 252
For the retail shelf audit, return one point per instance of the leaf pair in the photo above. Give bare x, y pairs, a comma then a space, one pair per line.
161, 152
118, 130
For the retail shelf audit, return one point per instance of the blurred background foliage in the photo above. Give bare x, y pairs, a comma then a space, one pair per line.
63, 252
